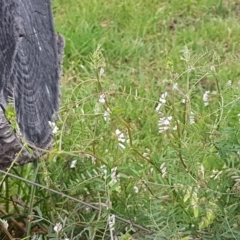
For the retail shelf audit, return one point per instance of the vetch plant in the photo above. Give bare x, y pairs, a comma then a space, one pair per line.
149, 135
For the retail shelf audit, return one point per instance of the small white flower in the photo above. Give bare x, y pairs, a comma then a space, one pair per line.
229, 83
205, 98
88, 209
162, 166
111, 221
164, 123
36, 237
146, 153
121, 138
73, 164
91, 157
163, 170
57, 228
53, 126
4, 223
174, 128
136, 190
121, 145
118, 131
191, 118
175, 86
106, 115
212, 68
115, 178
104, 169
184, 101
113, 173
93, 160
162, 101
102, 98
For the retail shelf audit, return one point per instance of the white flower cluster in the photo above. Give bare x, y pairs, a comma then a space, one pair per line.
135, 188
98, 107
91, 157
114, 176
4, 223
73, 163
57, 228
104, 169
122, 139
101, 101
212, 68
163, 170
102, 98
146, 153
111, 222
205, 98
53, 126
164, 123
191, 118
175, 86
183, 101
229, 83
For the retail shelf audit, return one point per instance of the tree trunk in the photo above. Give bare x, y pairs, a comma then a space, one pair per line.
30, 69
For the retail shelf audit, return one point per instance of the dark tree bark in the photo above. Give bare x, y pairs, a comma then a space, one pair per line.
30, 68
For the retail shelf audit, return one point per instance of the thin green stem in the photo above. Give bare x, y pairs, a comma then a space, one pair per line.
33, 190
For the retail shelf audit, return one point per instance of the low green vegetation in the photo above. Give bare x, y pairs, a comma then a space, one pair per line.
148, 145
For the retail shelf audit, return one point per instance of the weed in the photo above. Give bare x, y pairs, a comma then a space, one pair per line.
147, 145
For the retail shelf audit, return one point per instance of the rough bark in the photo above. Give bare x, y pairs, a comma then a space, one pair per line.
30, 68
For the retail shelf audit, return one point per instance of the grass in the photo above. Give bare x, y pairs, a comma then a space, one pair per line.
110, 157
